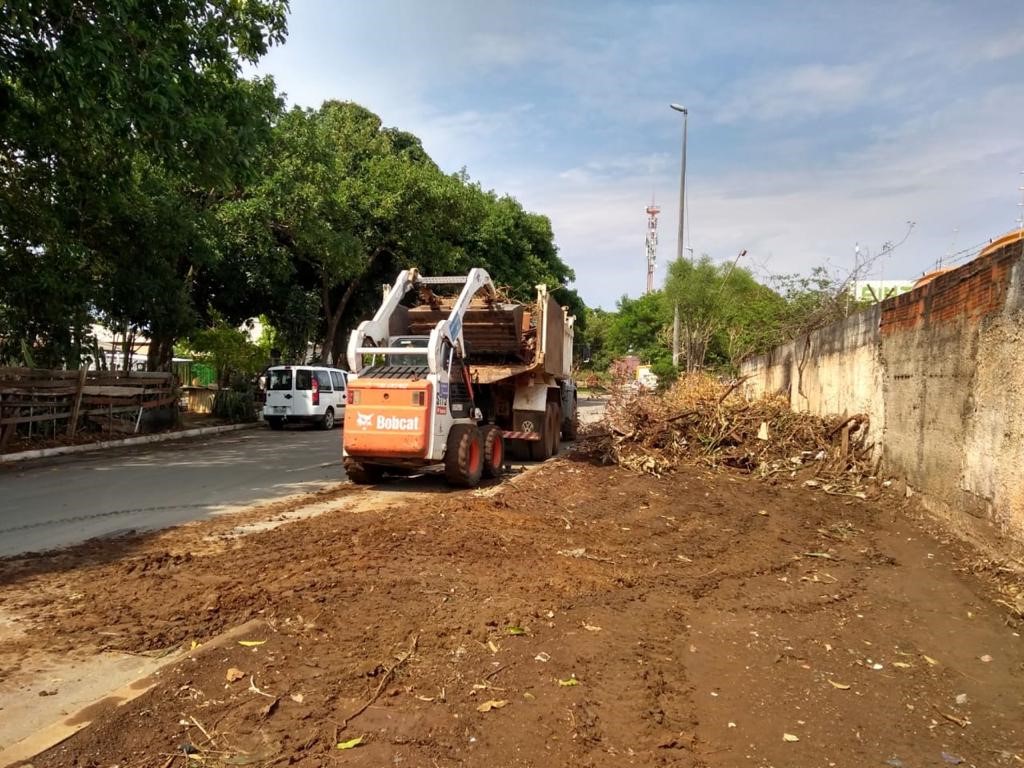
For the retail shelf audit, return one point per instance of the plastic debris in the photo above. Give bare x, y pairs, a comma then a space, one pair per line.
570, 682
251, 643
840, 686
951, 759
351, 743
790, 737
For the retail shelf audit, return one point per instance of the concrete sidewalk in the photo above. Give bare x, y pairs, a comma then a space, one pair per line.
160, 437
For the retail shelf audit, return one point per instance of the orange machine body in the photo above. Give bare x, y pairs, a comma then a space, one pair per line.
388, 418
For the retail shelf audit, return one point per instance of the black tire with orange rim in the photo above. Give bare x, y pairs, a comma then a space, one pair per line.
464, 456
494, 451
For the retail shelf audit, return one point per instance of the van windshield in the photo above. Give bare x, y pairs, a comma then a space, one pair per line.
281, 379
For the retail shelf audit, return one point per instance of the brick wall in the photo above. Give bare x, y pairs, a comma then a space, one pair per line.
973, 291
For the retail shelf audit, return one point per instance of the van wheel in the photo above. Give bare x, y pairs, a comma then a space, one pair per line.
494, 451
327, 422
275, 422
362, 474
464, 456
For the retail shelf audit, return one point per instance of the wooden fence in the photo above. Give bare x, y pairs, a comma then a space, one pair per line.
48, 402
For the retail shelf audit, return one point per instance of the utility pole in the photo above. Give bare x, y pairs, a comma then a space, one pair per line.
679, 239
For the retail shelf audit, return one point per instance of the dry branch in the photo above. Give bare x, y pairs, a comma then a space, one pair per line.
383, 683
707, 421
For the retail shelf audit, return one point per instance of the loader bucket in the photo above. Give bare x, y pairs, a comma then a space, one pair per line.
497, 331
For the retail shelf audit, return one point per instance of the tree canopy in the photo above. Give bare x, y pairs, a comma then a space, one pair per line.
146, 184
725, 315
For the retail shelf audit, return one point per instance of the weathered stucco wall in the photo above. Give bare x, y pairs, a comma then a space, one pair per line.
940, 372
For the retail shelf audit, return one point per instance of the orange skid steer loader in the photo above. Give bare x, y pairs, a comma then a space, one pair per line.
445, 379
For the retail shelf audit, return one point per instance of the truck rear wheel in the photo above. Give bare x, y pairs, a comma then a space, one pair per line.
541, 449
494, 451
555, 427
571, 426
464, 456
362, 474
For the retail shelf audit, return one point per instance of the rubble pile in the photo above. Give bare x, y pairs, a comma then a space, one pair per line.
704, 420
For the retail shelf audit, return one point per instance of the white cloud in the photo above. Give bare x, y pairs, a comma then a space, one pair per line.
801, 92
1005, 46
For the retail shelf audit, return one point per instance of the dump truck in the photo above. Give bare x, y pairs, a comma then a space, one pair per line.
449, 374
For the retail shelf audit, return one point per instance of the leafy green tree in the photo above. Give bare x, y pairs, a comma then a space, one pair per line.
99, 102
641, 327
342, 204
228, 350
592, 338
725, 314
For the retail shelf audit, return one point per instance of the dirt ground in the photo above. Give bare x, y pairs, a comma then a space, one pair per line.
576, 615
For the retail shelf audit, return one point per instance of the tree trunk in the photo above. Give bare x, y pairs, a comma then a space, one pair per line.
334, 344
161, 352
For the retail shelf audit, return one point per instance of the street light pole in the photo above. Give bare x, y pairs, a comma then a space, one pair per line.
679, 238
682, 182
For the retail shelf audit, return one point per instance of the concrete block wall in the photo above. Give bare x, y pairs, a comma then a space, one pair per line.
940, 372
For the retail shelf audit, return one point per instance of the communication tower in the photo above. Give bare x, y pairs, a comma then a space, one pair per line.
652, 243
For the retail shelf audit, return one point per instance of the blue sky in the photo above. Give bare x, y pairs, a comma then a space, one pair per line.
812, 127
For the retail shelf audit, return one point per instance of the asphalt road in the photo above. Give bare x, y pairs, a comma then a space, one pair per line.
54, 504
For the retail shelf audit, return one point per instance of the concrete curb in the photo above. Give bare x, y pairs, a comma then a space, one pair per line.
161, 437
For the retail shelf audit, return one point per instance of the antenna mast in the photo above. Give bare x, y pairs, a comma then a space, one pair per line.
652, 243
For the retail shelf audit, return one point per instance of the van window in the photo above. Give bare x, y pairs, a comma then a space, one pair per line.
304, 379
281, 380
339, 380
323, 378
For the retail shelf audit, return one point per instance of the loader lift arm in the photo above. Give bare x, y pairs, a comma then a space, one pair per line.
371, 337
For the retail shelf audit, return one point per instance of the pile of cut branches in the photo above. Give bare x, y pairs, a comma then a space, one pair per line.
704, 420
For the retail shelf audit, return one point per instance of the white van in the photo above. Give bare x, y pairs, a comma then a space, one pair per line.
305, 393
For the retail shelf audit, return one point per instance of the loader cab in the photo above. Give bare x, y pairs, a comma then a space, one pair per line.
413, 359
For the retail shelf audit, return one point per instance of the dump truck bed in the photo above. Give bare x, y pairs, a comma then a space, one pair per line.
506, 339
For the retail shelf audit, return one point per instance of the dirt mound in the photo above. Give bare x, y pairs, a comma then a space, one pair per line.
704, 420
